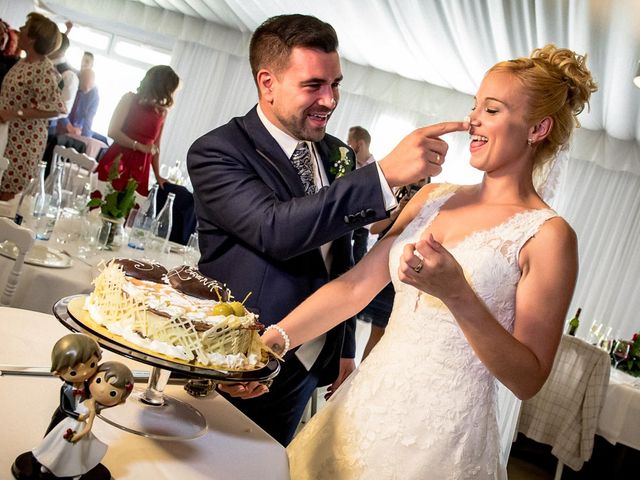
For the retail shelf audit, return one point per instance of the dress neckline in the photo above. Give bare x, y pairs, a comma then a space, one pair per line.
482, 231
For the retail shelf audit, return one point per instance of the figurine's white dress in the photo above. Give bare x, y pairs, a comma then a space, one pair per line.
66, 459
422, 406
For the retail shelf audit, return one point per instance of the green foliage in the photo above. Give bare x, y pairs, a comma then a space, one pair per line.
116, 204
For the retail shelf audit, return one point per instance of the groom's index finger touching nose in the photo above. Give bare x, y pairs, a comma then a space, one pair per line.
443, 128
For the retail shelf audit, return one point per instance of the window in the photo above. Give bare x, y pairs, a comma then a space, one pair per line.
119, 64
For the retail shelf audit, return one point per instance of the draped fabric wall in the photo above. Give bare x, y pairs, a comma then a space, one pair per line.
599, 190
603, 206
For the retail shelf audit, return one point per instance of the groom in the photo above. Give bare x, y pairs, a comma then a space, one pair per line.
275, 222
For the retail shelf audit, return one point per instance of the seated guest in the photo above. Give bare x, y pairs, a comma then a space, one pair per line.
84, 108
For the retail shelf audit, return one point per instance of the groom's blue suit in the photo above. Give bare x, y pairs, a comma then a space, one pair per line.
260, 234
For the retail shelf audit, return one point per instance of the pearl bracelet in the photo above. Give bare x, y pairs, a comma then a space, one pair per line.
283, 334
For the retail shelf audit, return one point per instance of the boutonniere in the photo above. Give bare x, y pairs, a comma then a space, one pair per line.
341, 164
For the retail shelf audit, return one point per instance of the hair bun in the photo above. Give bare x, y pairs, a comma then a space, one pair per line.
573, 71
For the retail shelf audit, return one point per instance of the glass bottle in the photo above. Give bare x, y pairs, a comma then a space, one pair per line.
46, 211
574, 323
142, 219
27, 202
161, 226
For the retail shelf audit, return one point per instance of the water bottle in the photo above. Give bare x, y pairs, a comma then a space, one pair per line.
161, 226
27, 202
47, 206
142, 220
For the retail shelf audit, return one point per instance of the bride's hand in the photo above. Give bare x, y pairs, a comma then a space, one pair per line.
436, 273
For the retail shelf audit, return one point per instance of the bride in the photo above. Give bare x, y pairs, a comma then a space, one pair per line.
483, 276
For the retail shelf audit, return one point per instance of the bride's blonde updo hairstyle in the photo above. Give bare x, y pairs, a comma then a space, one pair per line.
558, 85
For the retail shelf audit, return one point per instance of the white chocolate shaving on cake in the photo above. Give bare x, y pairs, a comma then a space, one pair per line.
121, 304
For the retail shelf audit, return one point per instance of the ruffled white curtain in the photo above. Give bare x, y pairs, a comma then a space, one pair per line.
599, 191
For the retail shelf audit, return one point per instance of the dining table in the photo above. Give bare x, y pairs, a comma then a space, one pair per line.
619, 420
57, 270
233, 447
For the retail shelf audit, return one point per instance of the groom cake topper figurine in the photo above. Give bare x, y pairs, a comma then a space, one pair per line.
69, 448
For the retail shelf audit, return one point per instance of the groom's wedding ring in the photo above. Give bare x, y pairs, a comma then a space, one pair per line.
437, 158
418, 267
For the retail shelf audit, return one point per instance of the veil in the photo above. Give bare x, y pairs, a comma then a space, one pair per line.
547, 177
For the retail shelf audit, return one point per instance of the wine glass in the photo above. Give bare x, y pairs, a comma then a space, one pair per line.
620, 352
595, 332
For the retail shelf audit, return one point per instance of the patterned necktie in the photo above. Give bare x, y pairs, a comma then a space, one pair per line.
301, 160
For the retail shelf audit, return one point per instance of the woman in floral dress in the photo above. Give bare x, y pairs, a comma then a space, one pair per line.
29, 96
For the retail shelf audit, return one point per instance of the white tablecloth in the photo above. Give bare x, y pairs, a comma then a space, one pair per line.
620, 416
565, 412
233, 448
40, 287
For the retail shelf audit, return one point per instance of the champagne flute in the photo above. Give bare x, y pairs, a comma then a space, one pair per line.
620, 352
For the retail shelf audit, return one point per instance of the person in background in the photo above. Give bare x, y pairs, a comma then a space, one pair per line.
28, 98
136, 129
359, 140
70, 81
483, 275
9, 53
87, 61
273, 219
80, 119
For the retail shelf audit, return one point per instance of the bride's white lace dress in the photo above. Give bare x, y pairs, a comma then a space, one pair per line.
422, 406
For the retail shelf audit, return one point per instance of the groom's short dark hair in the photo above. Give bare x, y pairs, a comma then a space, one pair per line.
272, 42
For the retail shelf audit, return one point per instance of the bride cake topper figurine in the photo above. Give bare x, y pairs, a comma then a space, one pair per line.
69, 448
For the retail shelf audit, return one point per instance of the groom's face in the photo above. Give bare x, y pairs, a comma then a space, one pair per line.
301, 97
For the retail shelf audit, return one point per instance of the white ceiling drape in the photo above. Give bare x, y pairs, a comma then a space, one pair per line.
410, 62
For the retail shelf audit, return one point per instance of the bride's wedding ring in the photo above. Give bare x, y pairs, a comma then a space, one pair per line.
438, 158
418, 267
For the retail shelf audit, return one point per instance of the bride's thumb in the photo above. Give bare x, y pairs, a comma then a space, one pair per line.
433, 243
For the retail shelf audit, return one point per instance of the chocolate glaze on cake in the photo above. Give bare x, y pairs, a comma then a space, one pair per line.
190, 281
152, 272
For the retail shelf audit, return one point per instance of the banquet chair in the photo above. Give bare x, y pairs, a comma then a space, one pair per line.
565, 412
77, 165
23, 238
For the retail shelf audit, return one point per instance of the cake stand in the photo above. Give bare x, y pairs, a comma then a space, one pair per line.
149, 411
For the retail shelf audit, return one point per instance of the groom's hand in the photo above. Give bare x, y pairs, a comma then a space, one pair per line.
419, 155
244, 390
347, 365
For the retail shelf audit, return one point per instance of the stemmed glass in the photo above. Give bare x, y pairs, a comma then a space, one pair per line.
620, 352
595, 332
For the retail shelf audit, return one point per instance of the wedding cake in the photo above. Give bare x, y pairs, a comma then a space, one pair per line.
179, 314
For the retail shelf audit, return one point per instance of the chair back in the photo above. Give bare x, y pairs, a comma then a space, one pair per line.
184, 215
23, 238
76, 165
565, 412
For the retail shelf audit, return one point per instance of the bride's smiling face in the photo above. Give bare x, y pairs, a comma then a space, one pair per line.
499, 125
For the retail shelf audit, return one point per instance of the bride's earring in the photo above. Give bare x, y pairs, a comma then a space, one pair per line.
530, 142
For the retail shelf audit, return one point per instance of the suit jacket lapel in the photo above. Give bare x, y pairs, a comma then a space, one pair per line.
270, 151
324, 149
